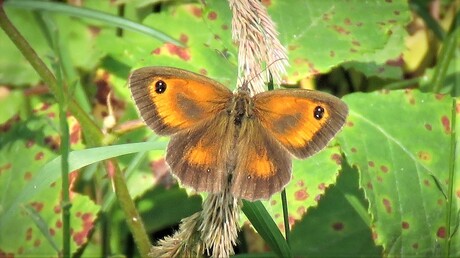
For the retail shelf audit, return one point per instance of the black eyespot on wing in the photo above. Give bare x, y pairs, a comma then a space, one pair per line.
318, 113
160, 86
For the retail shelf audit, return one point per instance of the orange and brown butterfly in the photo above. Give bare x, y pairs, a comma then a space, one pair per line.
222, 139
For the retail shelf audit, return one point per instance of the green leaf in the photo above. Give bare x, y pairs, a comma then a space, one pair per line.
205, 53
310, 179
34, 225
157, 211
339, 226
322, 34
400, 142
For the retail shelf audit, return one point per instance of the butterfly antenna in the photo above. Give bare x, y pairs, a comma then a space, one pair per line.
245, 84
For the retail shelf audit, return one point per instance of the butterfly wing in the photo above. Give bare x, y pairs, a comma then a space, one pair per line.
303, 121
199, 156
171, 99
263, 166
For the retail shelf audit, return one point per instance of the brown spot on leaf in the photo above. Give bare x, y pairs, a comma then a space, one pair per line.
347, 21
52, 231
27, 176
353, 150
415, 245
292, 47
440, 96
203, 71
212, 16
30, 143
183, 38
338, 226
396, 12
39, 155
301, 210
428, 127
371, 164
37, 242
53, 142
337, 158
29, 234
57, 209
441, 233
405, 225
180, 52
424, 155
446, 124
374, 235
322, 186
197, 12
273, 202
156, 51
387, 205
426, 182
340, 30
331, 53
266, 3
350, 124
45, 106
369, 186
75, 134
59, 223
300, 183
301, 195
384, 169
38, 206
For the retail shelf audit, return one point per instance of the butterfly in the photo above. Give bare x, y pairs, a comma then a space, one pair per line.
220, 139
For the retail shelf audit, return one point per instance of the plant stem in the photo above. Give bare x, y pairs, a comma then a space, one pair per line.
133, 218
450, 192
66, 203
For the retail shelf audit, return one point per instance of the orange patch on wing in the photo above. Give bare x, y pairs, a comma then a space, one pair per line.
200, 155
171, 108
261, 165
293, 123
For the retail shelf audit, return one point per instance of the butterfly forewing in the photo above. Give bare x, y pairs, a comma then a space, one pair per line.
170, 100
302, 121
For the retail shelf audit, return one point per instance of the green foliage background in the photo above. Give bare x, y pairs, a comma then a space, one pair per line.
388, 185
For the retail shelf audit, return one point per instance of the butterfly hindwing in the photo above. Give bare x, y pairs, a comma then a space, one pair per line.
263, 166
171, 99
198, 156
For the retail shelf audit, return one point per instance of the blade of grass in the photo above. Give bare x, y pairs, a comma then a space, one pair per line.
266, 227
41, 225
446, 55
285, 215
110, 19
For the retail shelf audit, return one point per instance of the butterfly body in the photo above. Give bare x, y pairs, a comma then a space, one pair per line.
221, 139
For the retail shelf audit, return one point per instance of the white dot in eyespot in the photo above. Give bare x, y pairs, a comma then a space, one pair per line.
249, 177
208, 170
